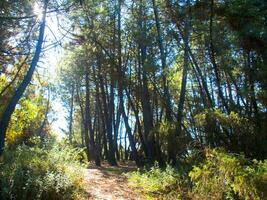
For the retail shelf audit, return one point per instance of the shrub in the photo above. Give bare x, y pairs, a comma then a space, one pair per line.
50, 172
219, 176
160, 183
226, 176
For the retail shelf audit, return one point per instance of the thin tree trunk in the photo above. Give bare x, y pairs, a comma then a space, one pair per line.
184, 77
107, 107
45, 117
82, 115
139, 127
213, 60
102, 129
163, 65
71, 113
88, 122
116, 132
15, 77
120, 93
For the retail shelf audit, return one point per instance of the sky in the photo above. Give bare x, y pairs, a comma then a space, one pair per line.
50, 58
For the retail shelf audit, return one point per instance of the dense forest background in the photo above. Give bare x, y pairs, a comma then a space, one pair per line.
153, 81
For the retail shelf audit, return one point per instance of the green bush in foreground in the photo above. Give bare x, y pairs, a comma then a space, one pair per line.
51, 172
219, 176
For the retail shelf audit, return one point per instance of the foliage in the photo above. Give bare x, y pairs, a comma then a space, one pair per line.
220, 175
211, 122
233, 120
170, 142
29, 113
26, 119
163, 184
49, 172
226, 176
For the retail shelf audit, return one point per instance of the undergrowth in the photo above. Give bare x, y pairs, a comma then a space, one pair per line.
219, 176
34, 172
159, 183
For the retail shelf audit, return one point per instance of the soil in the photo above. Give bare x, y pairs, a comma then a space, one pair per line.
108, 182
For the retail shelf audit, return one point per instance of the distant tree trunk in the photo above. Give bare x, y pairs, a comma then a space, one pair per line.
120, 92
213, 60
253, 109
253, 103
22, 87
116, 131
86, 133
41, 133
107, 107
139, 127
126, 153
130, 136
88, 121
167, 99
172, 13
184, 77
71, 112
82, 114
101, 120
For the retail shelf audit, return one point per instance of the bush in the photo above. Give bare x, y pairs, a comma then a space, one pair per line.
52, 172
226, 176
219, 176
160, 183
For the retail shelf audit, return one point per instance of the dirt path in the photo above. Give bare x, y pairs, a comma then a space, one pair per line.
108, 183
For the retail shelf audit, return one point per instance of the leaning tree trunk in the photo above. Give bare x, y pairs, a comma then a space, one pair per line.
184, 78
6, 116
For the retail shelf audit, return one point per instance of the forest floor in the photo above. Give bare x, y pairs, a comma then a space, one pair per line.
108, 182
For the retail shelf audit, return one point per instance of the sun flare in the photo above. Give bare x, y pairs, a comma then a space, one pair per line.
37, 10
